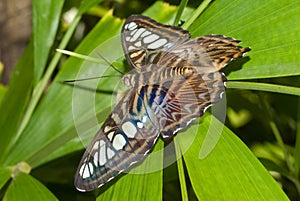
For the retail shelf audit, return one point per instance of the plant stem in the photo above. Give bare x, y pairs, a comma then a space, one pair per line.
281, 144
184, 194
182, 5
264, 87
196, 14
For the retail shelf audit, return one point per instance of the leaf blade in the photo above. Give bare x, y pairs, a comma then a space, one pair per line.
46, 16
230, 167
26, 188
272, 34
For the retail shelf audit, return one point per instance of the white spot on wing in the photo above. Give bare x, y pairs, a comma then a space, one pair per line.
158, 43
81, 169
138, 44
140, 124
168, 45
204, 110
129, 129
178, 51
144, 119
96, 156
86, 169
110, 153
131, 26
221, 94
131, 48
146, 33
150, 38
119, 142
102, 153
107, 128
133, 32
91, 167
110, 135
96, 145
115, 117
137, 34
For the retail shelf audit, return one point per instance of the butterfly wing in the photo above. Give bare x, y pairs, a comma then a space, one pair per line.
196, 82
210, 53
125, 138
186, 98
180, 79
144, 40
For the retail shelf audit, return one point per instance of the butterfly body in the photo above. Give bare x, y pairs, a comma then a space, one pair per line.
174, 79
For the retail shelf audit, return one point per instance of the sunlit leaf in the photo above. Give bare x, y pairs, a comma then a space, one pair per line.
5, 174
46, 16
26, 188
14, 101
229, 168
270, 28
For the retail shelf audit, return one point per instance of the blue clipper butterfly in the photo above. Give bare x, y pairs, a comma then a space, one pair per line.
175, 79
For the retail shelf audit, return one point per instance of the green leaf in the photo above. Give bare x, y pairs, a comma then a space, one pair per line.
3, 90
15, 101
297, 145
26, 188
264, 87
229, 168
5, 174
141, 183
87, 4
181, 7
46, 16
270, 28
180, 167
54, 116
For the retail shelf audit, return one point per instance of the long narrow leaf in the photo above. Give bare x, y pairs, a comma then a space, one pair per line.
26, 188
230, 171
270, 28
87, 4
46, 16
5, 174
264, 87
15, 100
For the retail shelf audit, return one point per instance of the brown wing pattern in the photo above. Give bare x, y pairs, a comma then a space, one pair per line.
185, 98
123, 140
144, 40
209, 53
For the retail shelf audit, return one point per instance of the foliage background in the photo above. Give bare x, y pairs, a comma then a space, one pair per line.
39, 143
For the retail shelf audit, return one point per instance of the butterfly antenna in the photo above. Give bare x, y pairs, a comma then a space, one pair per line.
104, 59
90, 78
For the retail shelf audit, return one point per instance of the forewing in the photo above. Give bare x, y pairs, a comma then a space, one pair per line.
209, 53
144, 40
123, 140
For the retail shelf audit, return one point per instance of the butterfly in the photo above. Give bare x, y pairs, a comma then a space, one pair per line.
174, 80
